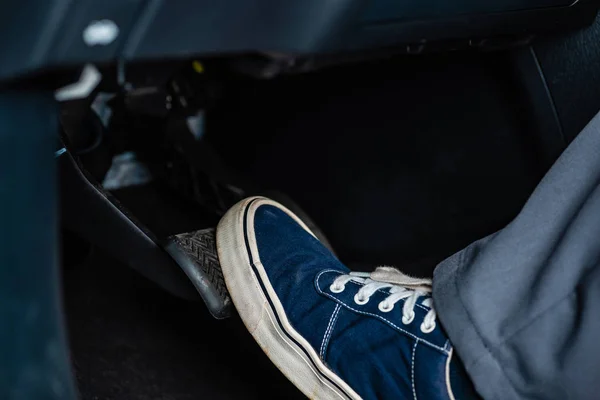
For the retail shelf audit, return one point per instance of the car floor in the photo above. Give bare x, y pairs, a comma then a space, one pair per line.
130, 340
402, 162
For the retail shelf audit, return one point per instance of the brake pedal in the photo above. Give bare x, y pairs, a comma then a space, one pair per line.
196, 254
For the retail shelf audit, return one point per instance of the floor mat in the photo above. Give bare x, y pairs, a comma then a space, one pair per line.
130, 340
400, 162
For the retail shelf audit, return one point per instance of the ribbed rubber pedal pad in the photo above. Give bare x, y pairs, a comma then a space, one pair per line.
196, 254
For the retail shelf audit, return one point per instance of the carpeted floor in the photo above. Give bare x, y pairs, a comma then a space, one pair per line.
130, 340
402, 162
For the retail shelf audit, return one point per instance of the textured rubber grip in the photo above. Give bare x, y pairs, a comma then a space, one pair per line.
196, 254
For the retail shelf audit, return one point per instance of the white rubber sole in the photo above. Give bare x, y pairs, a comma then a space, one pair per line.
260, 308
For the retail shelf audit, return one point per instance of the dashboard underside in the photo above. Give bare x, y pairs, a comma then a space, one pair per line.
58, 32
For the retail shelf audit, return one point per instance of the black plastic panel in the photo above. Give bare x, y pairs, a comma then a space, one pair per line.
571, 65
39, 34
69, 44
469, 30
42, 33
33, 352
296, 26
385, 10
95, 215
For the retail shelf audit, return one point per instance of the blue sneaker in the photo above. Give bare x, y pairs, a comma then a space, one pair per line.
335, 334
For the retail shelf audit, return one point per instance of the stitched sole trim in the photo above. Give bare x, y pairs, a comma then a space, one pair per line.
260, 308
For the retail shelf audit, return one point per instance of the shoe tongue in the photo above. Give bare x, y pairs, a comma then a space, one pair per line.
394, 276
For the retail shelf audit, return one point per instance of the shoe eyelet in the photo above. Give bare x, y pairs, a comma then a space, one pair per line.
360, 300
408, 320
427, 329
337, 289
385, 307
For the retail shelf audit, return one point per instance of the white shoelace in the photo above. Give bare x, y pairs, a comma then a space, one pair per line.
392, 279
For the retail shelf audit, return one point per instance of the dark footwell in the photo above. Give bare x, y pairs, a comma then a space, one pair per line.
402, 162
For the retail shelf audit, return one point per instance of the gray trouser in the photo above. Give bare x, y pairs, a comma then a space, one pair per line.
522, 306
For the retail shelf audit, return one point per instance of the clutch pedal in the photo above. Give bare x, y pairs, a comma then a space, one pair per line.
196, 254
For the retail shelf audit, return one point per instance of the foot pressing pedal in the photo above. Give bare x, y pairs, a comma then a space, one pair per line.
196, 254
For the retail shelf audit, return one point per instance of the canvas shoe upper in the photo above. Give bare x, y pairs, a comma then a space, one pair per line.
334, 333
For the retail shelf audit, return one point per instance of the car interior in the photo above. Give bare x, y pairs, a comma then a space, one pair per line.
401, 132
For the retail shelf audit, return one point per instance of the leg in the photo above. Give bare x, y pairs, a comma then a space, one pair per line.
521, 306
